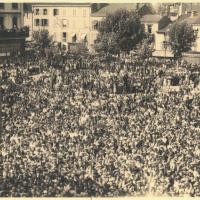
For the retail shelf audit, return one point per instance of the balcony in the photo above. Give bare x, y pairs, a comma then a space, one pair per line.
14, 33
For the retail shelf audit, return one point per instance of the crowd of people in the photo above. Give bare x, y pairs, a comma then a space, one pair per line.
87, 126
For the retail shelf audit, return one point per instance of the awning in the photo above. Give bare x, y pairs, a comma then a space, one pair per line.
83, 36
73, 34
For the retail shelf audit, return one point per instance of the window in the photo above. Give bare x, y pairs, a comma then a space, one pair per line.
44, 22
64, 36
1, 5
74, 12
55, 12
14, 6
14, 22
25, 7
149, 28
37, 11
1, 21
65, 23
196, 32
95, 25
45, 12
37, 22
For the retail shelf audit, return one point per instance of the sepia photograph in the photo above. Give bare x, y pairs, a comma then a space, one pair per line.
99, 99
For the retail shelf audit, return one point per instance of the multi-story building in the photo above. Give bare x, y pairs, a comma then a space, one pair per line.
162, 45
68, 23
155, 25
12, 32
74, 23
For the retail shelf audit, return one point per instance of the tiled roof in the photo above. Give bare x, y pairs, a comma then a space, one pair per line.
151, 18
111, 8
184, 18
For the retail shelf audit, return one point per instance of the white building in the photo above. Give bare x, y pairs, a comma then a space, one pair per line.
152, 23
162, 47
68, 23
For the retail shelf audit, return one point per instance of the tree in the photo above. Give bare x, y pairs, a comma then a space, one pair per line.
144, 50
42, 39
181, 38
119, 31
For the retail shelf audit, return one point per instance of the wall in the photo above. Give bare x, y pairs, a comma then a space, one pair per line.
196, 46
160, 50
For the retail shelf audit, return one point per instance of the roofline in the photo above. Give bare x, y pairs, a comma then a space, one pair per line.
161, 32
62, 4
100, 15
96, 14
150, 21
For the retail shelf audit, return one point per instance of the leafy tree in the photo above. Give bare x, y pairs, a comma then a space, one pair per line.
181, 38
42, 39
119, 31
144, 49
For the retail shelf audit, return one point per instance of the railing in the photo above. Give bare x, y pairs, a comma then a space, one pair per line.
22, 32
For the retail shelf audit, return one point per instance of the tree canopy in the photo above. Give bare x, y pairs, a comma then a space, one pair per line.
119, 31
145, 49
181, 38
42, 39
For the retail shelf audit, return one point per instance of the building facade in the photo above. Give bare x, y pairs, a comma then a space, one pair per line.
162, 47
12, 31
68, 23
73, 23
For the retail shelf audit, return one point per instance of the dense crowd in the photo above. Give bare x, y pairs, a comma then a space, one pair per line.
87, 126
